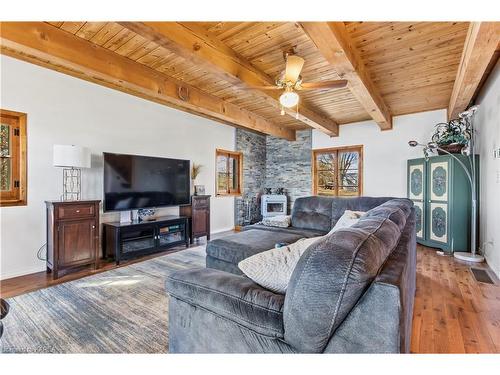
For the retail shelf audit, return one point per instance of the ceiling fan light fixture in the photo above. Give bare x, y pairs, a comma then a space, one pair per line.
289, 99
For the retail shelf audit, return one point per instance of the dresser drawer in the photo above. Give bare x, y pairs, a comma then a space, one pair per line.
73, 211
200, 203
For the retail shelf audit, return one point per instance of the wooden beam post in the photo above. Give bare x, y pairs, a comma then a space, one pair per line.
48, 46
334, 42
480, 45
217, 58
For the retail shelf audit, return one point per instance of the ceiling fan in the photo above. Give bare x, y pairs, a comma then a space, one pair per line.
290, 81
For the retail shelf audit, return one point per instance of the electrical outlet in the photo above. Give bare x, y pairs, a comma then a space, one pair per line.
496, 153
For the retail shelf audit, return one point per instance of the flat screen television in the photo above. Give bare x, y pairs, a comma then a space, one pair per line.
132, 182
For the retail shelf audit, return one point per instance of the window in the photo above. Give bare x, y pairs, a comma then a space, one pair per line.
338, 171
229, 172
12, 158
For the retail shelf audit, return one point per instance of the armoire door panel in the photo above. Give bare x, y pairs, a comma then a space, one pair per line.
438, 222
439, 181
416, 181
419, 216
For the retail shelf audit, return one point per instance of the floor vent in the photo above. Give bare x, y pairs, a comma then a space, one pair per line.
481, 276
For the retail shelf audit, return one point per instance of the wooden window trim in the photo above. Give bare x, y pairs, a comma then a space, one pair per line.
21, 166
336, 150
239, 156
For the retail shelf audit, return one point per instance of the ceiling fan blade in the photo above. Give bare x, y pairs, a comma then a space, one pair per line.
325, 85
273, 87
294, 66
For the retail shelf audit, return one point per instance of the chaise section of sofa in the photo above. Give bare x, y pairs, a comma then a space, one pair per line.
225, 253
311, 217
351, 292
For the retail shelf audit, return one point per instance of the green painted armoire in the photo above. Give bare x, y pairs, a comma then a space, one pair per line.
440, 190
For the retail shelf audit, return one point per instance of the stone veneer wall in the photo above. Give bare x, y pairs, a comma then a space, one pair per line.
253, 147
288, 165
271, 162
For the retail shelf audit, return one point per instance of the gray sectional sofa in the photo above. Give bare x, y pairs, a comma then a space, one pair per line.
351, 292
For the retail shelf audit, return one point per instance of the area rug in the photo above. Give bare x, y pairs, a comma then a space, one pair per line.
124, 310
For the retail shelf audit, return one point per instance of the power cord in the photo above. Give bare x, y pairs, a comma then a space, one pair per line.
39, 252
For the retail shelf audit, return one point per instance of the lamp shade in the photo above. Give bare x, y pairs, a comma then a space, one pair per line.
71, 156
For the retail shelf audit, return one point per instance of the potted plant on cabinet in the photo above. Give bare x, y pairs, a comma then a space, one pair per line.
451, 136
195, 171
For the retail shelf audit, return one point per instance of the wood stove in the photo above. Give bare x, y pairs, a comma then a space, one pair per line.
273, 205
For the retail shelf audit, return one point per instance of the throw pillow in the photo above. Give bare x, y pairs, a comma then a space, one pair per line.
273, 268
348, 219
282, 221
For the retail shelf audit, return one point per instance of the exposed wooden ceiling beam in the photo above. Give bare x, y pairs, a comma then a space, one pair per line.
193, 44
45, 45
480, 45
334, 42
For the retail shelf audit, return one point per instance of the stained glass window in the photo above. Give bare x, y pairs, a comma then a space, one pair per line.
337, 171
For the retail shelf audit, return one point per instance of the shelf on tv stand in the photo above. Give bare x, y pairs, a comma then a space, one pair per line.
115, 237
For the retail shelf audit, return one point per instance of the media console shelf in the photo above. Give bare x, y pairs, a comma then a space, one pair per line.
129, 240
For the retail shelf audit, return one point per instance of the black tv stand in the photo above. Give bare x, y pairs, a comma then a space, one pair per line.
130, 240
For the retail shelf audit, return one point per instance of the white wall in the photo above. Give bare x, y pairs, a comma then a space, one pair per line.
385, 152
65, 110
487, 122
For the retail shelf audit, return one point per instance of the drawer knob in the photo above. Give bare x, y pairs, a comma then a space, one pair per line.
93, 226
77, 211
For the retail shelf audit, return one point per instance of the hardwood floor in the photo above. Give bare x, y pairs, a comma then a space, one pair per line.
453, 312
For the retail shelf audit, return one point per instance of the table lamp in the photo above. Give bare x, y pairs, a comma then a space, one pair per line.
72, 159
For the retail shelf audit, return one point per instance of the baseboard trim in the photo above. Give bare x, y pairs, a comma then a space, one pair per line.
42, 268
222, 230
496, 271
22, 273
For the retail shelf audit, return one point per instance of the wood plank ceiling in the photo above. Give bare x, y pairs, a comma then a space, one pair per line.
413, 66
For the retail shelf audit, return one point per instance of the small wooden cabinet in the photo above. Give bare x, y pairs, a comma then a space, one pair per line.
199, 216
72, 235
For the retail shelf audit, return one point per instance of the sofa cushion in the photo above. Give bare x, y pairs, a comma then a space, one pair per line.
340, 205
304, 233
232, 297
222, 265
332, 275
312, 213
397, 210
236, 247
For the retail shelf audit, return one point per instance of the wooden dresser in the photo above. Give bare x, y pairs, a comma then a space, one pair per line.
72, 235
199, 216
